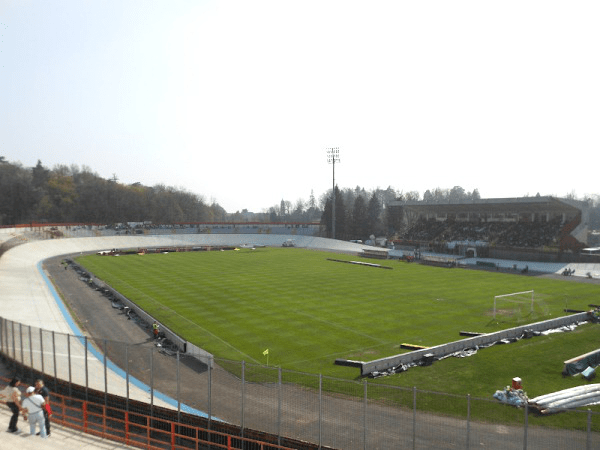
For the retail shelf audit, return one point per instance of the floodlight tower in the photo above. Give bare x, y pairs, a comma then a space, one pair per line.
333, 156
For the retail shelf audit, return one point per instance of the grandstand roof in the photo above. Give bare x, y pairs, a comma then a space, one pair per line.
497, 205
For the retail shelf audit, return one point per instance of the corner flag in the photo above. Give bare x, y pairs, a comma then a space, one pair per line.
266, 352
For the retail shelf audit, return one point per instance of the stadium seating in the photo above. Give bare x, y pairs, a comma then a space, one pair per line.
508, 234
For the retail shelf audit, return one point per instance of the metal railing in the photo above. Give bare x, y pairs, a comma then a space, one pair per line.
288, 408
137, 429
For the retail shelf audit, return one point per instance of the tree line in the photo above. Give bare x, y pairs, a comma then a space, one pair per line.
70, 194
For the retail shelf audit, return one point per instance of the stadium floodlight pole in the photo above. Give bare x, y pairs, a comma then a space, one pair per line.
333, 156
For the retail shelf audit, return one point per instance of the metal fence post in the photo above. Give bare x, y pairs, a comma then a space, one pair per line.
526, 425
178, 389
152, 382
414, 431
14, 347
21, 343
6, 338
365, 415
279, 405
320, 410
243, 395
54, 360
42, 350
87, 375
30, 350
468, 419
588, 442
69, 364
210, 366
105, 376
127, 377
13, 341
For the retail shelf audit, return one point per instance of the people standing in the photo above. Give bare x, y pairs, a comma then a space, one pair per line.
42, 390
14, 403
33, 407
155, 329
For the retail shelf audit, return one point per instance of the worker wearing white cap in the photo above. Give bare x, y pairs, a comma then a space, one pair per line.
33, 406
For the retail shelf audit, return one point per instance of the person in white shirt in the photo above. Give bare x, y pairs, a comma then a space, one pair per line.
33, 406
12, 394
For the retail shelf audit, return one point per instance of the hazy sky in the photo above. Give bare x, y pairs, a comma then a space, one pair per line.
238, 100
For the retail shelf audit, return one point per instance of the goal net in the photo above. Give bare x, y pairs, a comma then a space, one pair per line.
515, 304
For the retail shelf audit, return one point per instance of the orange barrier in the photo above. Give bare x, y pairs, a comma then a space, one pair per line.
142, 431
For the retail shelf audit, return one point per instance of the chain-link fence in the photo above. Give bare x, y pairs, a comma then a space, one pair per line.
330, 412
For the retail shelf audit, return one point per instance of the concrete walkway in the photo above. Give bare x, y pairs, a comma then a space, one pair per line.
61, 438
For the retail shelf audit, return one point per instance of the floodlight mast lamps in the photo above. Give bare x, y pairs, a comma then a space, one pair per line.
333, 156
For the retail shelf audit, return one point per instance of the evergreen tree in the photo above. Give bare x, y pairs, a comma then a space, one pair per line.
375, 223
360, 219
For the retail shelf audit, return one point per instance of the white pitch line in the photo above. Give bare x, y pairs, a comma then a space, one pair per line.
189, 321
341, 327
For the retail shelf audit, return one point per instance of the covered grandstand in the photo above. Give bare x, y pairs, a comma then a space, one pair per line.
549, 228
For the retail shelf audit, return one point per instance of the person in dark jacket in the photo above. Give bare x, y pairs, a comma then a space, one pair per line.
42, 390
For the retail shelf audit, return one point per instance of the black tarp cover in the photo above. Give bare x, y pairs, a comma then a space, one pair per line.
591, 360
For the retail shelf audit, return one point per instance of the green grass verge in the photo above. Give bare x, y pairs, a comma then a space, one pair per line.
308, 311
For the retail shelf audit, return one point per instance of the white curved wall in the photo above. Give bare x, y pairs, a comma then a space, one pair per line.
26, 295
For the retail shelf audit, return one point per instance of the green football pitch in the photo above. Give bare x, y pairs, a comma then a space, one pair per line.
308, 310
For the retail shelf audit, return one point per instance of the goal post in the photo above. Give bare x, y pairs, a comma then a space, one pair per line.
515, 297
